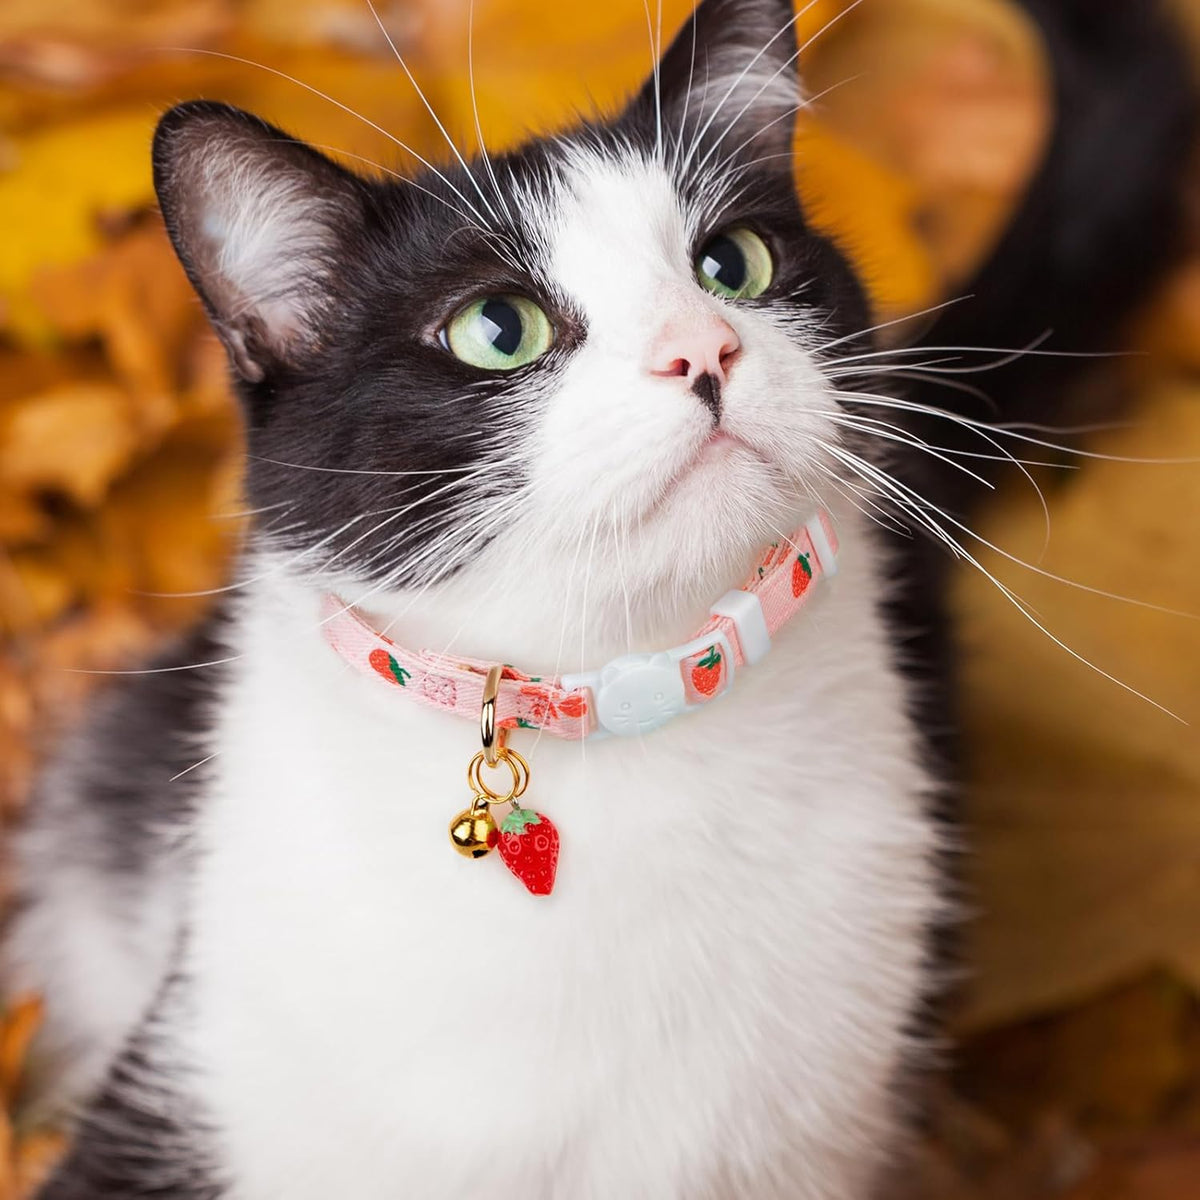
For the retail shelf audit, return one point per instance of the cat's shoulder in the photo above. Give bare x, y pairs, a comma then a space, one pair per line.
133, 767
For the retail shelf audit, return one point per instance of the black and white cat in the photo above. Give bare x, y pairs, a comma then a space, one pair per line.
541, 411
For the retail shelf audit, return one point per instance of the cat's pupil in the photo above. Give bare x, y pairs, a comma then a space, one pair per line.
502, 326
724, 261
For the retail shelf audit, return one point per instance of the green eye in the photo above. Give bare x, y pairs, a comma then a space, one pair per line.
498, 333
736, 265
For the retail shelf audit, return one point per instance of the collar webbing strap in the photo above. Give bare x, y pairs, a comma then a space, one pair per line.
633, 694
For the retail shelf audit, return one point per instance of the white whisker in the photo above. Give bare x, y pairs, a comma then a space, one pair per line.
356, 471
733, 86
1010, 431
349, 111
181, 774
216, 662
483, 150
462, 162
921, 509
722, 168
778, 71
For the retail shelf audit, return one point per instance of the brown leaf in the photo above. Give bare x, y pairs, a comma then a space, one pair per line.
26, 1156
1083, 801
135, 298
83, 46
163, 523
1159, 1170
878, 230
1118, 1063
1169, 334
74, 440
950, 96
9, 1187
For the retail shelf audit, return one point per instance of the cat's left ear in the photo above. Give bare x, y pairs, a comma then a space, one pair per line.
728, 81
260, 222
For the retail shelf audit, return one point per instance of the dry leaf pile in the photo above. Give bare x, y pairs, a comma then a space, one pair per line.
1079, 1069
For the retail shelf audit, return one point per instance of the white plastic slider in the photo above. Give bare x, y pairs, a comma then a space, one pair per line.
745, 610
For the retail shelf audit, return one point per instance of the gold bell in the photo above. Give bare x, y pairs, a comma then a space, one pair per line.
473, 832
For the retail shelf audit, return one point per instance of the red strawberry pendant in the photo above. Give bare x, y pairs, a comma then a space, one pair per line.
529, 847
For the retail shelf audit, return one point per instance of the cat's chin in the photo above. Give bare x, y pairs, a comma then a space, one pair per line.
726, 481
700, 532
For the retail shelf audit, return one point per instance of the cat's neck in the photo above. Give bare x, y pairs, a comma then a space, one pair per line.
544, 618
542, 612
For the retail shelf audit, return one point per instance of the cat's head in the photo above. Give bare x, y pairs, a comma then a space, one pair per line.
602, 344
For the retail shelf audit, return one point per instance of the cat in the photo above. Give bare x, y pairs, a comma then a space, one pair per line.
541, 410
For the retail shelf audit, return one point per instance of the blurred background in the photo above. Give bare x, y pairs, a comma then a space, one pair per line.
1076, 1066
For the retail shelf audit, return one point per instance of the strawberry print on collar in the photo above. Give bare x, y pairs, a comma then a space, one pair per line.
633, 694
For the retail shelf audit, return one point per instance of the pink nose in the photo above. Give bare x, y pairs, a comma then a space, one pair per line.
700, 350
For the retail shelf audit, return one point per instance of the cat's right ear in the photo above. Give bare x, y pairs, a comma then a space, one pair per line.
259, 221
728, 83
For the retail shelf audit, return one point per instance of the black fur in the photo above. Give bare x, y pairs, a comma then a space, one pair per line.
707, 389
141, 1137
145, 730
712, 85
119, 802
137, 756
411, 419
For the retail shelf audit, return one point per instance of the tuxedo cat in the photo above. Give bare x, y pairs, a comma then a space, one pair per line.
541, 410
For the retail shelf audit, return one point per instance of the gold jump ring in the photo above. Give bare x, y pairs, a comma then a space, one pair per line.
520, 777
491, 736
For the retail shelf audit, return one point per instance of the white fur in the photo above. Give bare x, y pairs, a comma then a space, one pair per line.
712, 1003
268, 234
92, 942
93, 954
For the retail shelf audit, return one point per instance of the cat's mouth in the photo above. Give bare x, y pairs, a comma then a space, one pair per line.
718, 449
715, 454
720, 445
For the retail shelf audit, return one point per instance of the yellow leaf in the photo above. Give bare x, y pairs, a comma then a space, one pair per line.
64, 179
869, 210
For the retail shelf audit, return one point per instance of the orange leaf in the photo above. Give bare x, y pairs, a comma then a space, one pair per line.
75, 440
17, 1028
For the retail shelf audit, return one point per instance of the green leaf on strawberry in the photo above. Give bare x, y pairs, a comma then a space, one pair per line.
519, 820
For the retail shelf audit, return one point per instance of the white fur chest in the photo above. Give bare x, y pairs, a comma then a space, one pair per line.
712, 1001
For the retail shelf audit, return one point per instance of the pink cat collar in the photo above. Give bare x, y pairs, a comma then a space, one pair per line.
633, 694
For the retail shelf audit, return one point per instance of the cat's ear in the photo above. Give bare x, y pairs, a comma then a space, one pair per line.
259, 221
729, 80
